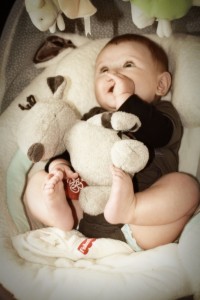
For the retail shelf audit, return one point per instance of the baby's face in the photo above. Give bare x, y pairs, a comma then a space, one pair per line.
129, 61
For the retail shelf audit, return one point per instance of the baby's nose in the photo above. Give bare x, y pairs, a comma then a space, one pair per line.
112, 74
113, 71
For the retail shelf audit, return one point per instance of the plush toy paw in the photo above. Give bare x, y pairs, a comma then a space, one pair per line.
129, 155
118, 121
122, 121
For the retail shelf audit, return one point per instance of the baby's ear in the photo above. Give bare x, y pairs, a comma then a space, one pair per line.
164, 83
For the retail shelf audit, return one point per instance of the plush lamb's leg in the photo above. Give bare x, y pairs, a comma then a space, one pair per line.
129, 155
94, 198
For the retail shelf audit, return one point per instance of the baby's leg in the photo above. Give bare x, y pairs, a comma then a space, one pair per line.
46, 200
158, 214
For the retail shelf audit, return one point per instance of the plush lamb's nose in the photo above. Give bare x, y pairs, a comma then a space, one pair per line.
36, 152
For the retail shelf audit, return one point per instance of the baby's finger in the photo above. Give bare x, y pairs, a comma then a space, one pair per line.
116, 77
116, 171
71, 174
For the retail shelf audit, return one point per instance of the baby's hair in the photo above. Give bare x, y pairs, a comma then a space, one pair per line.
157, 52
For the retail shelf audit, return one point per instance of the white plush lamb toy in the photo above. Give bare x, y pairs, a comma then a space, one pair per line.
50, 127
46, 14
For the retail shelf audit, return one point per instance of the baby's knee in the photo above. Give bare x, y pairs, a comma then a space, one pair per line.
191, 184
184, 179
195, 190
184, 185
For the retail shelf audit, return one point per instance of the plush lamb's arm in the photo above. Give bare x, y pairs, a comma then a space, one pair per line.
129, 155
119, 121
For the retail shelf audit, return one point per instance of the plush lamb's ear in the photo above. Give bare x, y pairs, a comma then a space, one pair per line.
56, 47
51, 47
57, 85
55, 82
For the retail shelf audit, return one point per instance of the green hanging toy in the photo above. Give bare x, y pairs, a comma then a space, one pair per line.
145, 12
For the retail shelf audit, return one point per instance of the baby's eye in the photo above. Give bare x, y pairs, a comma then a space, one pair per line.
104, 69
128, 64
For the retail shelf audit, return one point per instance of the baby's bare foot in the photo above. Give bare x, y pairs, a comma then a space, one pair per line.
51, 181
122, 199
56, 203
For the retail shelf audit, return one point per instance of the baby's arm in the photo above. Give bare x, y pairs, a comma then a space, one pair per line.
157, 127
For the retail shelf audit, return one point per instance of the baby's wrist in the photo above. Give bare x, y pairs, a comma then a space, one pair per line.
121, 99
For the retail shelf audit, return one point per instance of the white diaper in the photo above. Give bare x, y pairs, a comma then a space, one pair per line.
130, 239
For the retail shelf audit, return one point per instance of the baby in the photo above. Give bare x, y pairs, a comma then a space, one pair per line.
131, 75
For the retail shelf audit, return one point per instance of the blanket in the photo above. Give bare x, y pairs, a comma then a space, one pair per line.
47, 245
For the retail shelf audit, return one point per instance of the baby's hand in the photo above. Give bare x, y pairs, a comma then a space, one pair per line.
123, 87
62, 165
68, 173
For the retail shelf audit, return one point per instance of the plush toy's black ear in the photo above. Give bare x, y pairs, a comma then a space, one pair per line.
51, 47
54, 82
